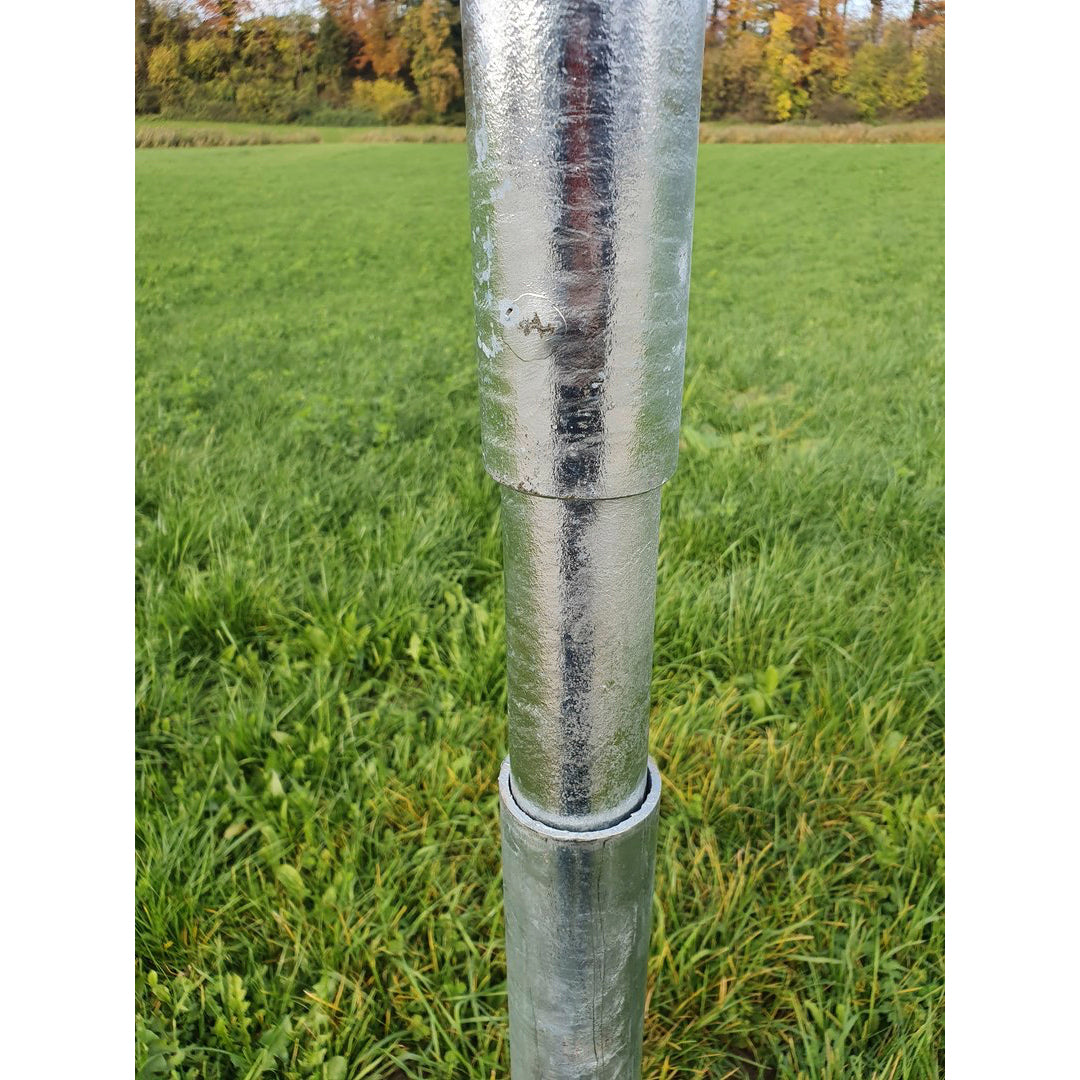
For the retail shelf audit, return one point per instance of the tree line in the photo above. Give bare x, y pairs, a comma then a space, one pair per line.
399, 61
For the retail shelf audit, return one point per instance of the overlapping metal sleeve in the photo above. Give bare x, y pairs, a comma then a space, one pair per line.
577, 937
582, 140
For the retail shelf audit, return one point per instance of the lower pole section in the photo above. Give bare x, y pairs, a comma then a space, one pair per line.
578, 908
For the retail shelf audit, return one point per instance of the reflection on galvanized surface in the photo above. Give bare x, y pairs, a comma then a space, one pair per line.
580, 589
582, 148
578, 909
582, 139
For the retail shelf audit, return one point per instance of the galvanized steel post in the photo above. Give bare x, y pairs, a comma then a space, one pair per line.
582, 138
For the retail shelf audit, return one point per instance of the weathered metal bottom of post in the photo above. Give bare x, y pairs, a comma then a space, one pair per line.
578, 908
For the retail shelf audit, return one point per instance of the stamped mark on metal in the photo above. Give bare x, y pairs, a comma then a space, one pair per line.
529, 322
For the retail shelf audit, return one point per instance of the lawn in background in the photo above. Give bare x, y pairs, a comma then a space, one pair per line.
320, 672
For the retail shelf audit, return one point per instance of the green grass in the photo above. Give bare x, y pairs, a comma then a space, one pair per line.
320, 677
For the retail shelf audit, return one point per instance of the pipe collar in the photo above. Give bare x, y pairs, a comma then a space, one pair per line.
578, 907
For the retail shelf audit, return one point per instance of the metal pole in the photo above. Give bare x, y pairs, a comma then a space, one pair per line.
582, 136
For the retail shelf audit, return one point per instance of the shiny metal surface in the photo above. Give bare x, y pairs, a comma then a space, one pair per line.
578, 908
580, 598
582, 138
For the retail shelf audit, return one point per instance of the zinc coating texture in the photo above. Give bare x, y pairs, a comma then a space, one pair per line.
582, 141
577, 936
580, 603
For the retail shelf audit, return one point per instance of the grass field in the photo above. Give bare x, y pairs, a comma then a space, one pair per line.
320, 669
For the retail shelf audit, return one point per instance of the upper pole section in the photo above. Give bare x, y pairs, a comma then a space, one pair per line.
582, 137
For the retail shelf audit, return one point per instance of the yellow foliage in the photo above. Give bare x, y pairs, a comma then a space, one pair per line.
889, 76
207, 57
831, 67
390, 100
906, 84
785, 74
163, 67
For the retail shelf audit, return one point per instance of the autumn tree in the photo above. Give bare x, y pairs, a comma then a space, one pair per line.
267, 49
876, 16
331, 48
223, 15
348, 17
348, 14
930, 44
785, 73
926, 14
887, 77
382, 44
773, 60
163, 72
434, 66
207, 57
731, 75
164, 65
828, 64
